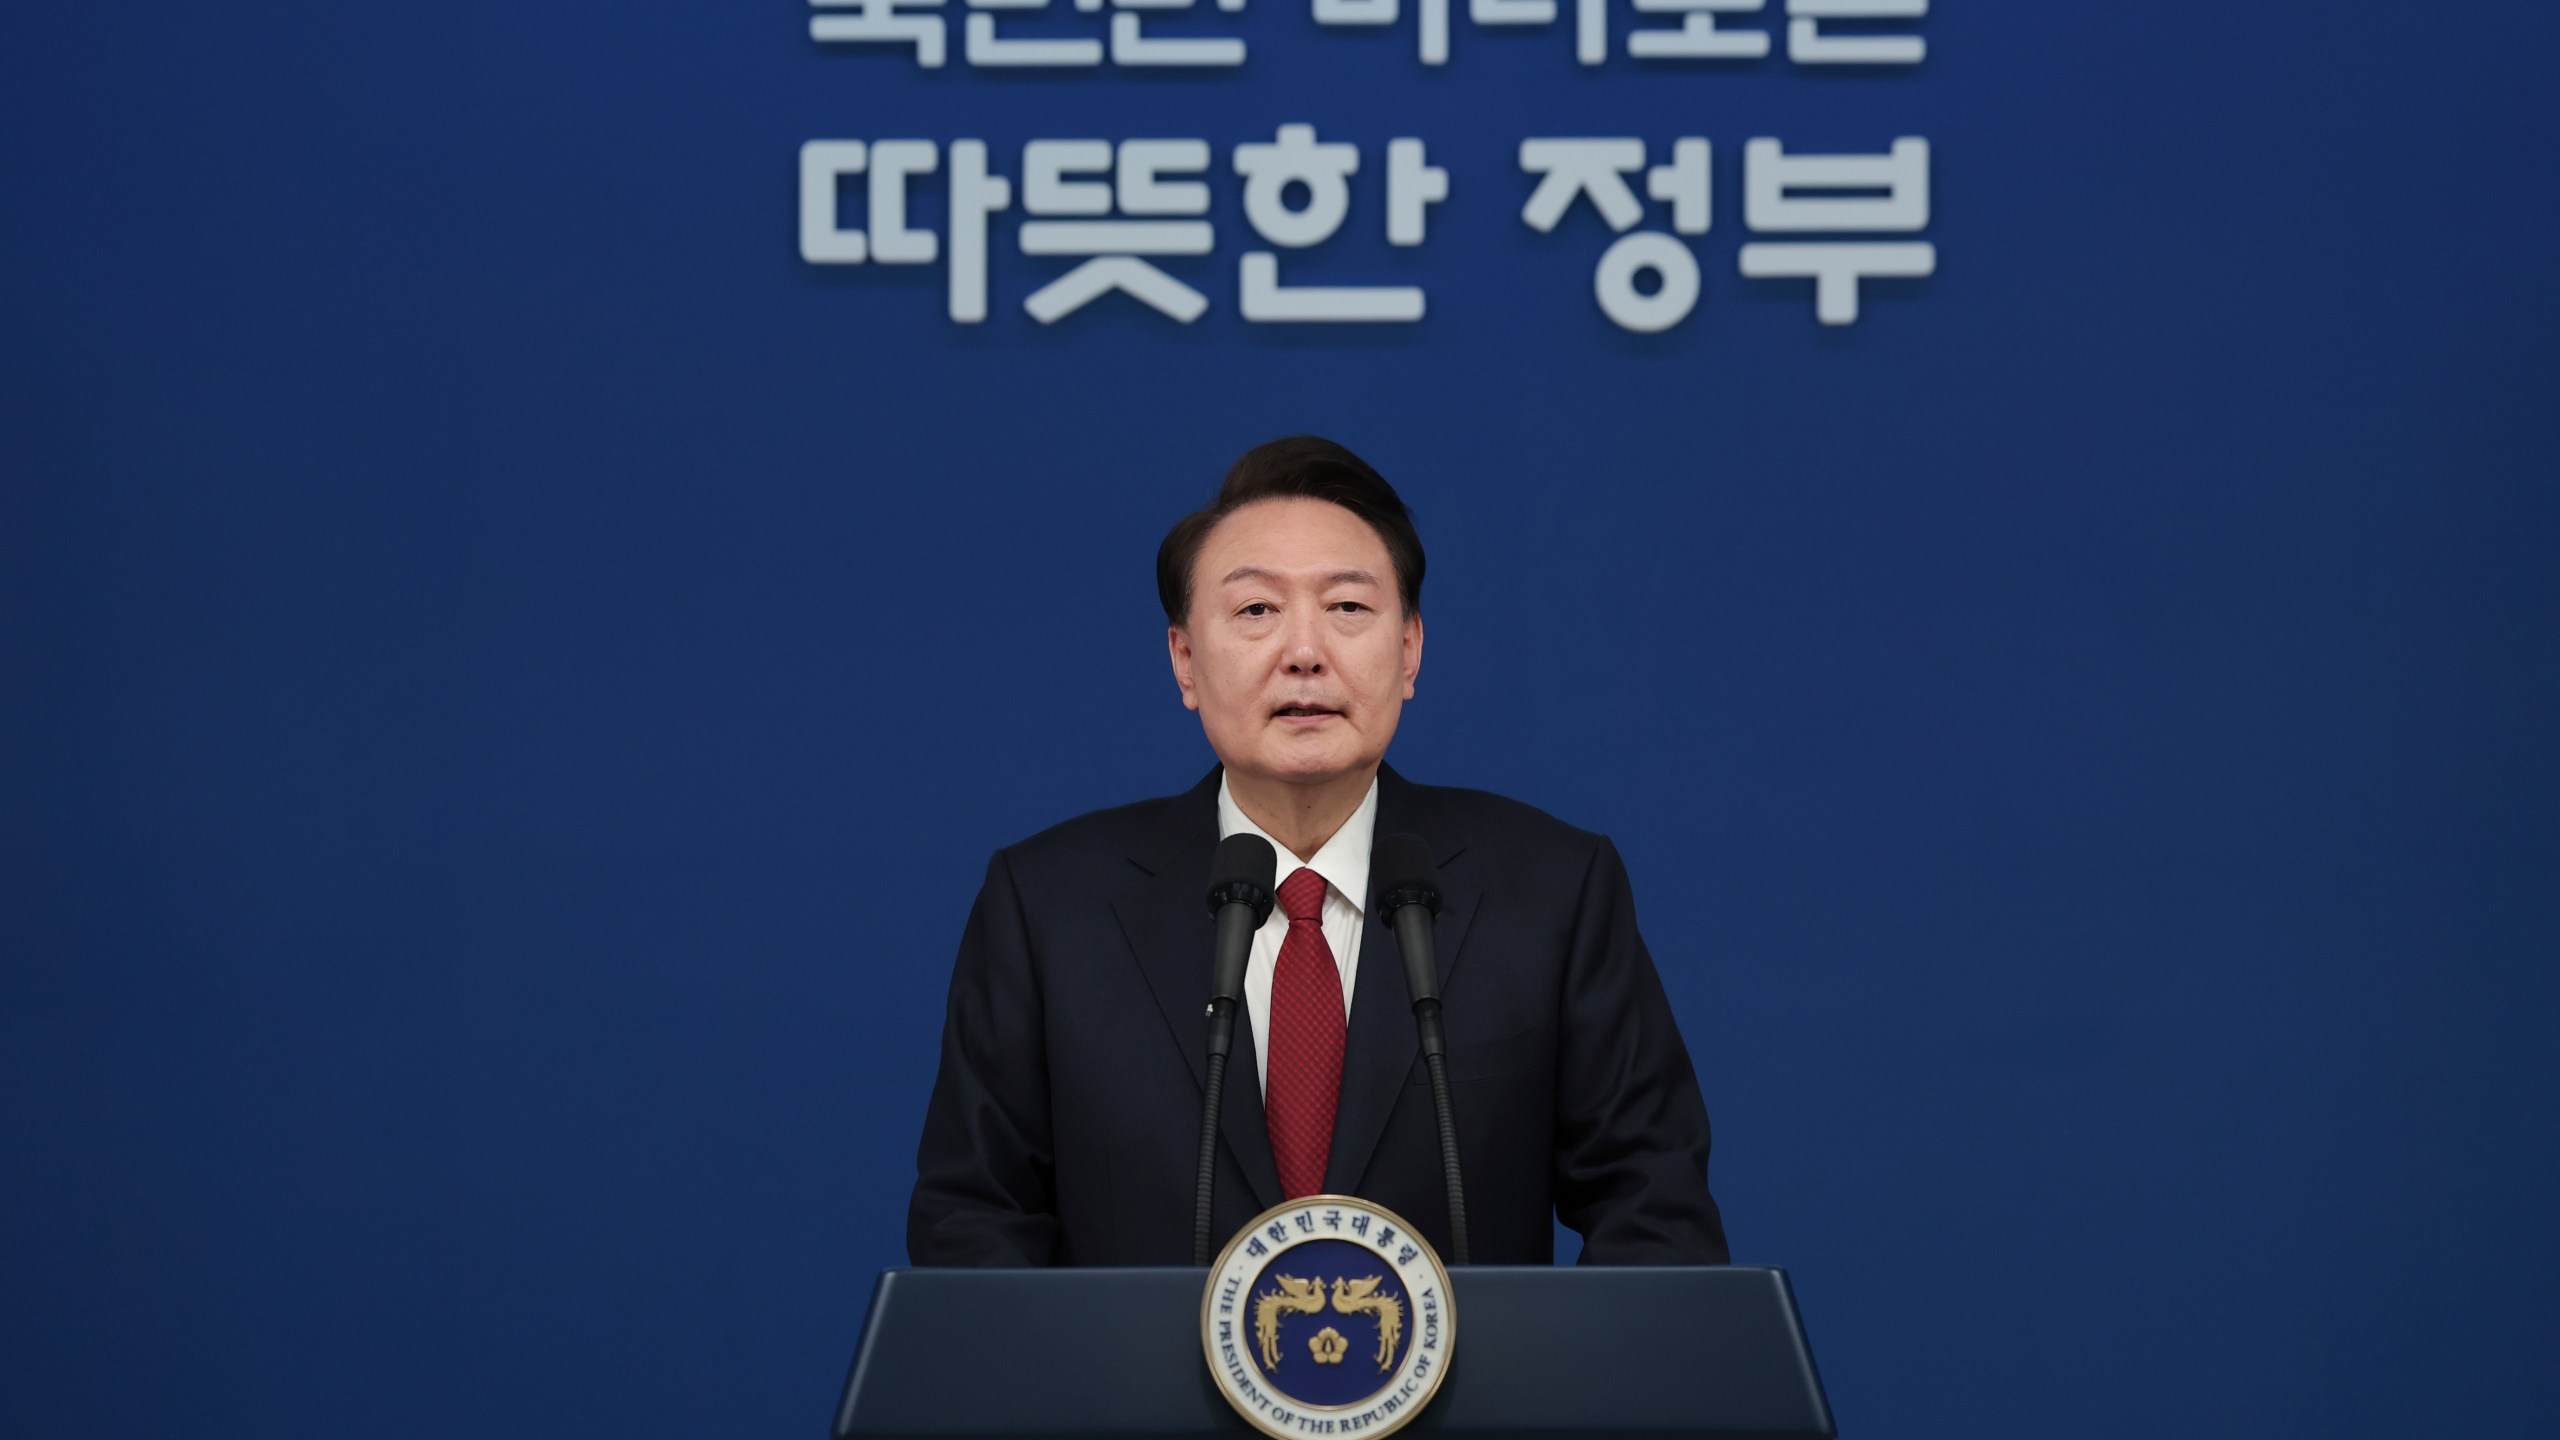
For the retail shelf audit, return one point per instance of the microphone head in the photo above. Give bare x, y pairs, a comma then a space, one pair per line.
1242, 874
1402, 863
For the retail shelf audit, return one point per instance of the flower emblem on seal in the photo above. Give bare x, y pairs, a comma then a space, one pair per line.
1328, 1316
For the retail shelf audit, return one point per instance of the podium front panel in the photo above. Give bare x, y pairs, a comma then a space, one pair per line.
1542, 1354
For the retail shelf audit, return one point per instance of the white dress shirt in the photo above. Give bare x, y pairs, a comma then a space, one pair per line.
1344, 864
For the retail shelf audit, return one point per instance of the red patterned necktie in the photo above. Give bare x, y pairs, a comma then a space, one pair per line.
1303, 1076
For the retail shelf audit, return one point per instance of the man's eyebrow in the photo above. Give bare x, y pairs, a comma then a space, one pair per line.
1338, 577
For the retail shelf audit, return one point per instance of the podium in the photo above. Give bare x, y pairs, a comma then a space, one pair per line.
1541, 1354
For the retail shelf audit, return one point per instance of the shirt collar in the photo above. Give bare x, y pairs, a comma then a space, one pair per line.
1344, 860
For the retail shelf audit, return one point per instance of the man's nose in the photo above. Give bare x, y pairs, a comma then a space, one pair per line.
1305, 650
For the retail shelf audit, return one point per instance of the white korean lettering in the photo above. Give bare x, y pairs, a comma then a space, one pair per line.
984, 46
892, 242
1355, 12
1595, 168
1144, 163
1808, 45
1837, 269
883, 22
1773, 181
1324, 171
823, 240
1412, 184
1115, 245
1047, 163
1131, 45
1783, 193
1591, 21
975, 194
1268, 171
1698, 38
1512, 12
1675, 273
1684, 185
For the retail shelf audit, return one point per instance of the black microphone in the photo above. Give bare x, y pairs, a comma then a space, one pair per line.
1409, 891
1240, 881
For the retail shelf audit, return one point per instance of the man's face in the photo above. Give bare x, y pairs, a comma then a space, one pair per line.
1297, 654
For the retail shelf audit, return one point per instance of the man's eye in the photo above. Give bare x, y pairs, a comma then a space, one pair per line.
1255, 611
1349, 605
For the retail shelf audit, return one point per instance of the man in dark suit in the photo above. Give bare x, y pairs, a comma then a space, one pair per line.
1064, 1120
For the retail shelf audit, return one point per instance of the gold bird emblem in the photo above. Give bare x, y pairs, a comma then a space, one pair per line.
1293, 1297
1361, 1297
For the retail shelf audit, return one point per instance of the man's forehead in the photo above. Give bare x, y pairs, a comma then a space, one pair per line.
1257, 575
1294, 539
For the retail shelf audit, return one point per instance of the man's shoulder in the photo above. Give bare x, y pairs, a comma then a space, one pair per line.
1485, 818
1132, 830
1454, 815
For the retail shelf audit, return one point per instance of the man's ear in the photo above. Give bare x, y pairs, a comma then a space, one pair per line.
1177, 646
1412, 652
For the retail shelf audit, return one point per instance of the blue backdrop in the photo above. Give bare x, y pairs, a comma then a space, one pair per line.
509, 678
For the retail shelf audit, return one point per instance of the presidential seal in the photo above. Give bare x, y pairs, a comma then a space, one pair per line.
1327, 1316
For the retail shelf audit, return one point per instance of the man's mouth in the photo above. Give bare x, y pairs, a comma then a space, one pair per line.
1304, 712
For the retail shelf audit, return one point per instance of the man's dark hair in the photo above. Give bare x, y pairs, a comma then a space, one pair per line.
1302, 465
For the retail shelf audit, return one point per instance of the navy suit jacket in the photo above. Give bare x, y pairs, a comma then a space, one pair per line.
1064, 1124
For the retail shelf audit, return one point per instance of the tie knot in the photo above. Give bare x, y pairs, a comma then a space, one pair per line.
1302, 896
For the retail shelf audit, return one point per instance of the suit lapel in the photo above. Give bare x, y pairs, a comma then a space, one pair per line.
1240, 1123
1380, 1049
1164, 915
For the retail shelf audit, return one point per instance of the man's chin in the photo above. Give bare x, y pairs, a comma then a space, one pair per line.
1297, 766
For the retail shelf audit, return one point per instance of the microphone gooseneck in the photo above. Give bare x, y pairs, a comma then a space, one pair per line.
1409, 891
1240, 881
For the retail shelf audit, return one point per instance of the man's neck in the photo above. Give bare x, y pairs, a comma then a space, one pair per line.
1302, 817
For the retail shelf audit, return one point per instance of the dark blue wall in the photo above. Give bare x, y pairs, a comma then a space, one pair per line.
508, 680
